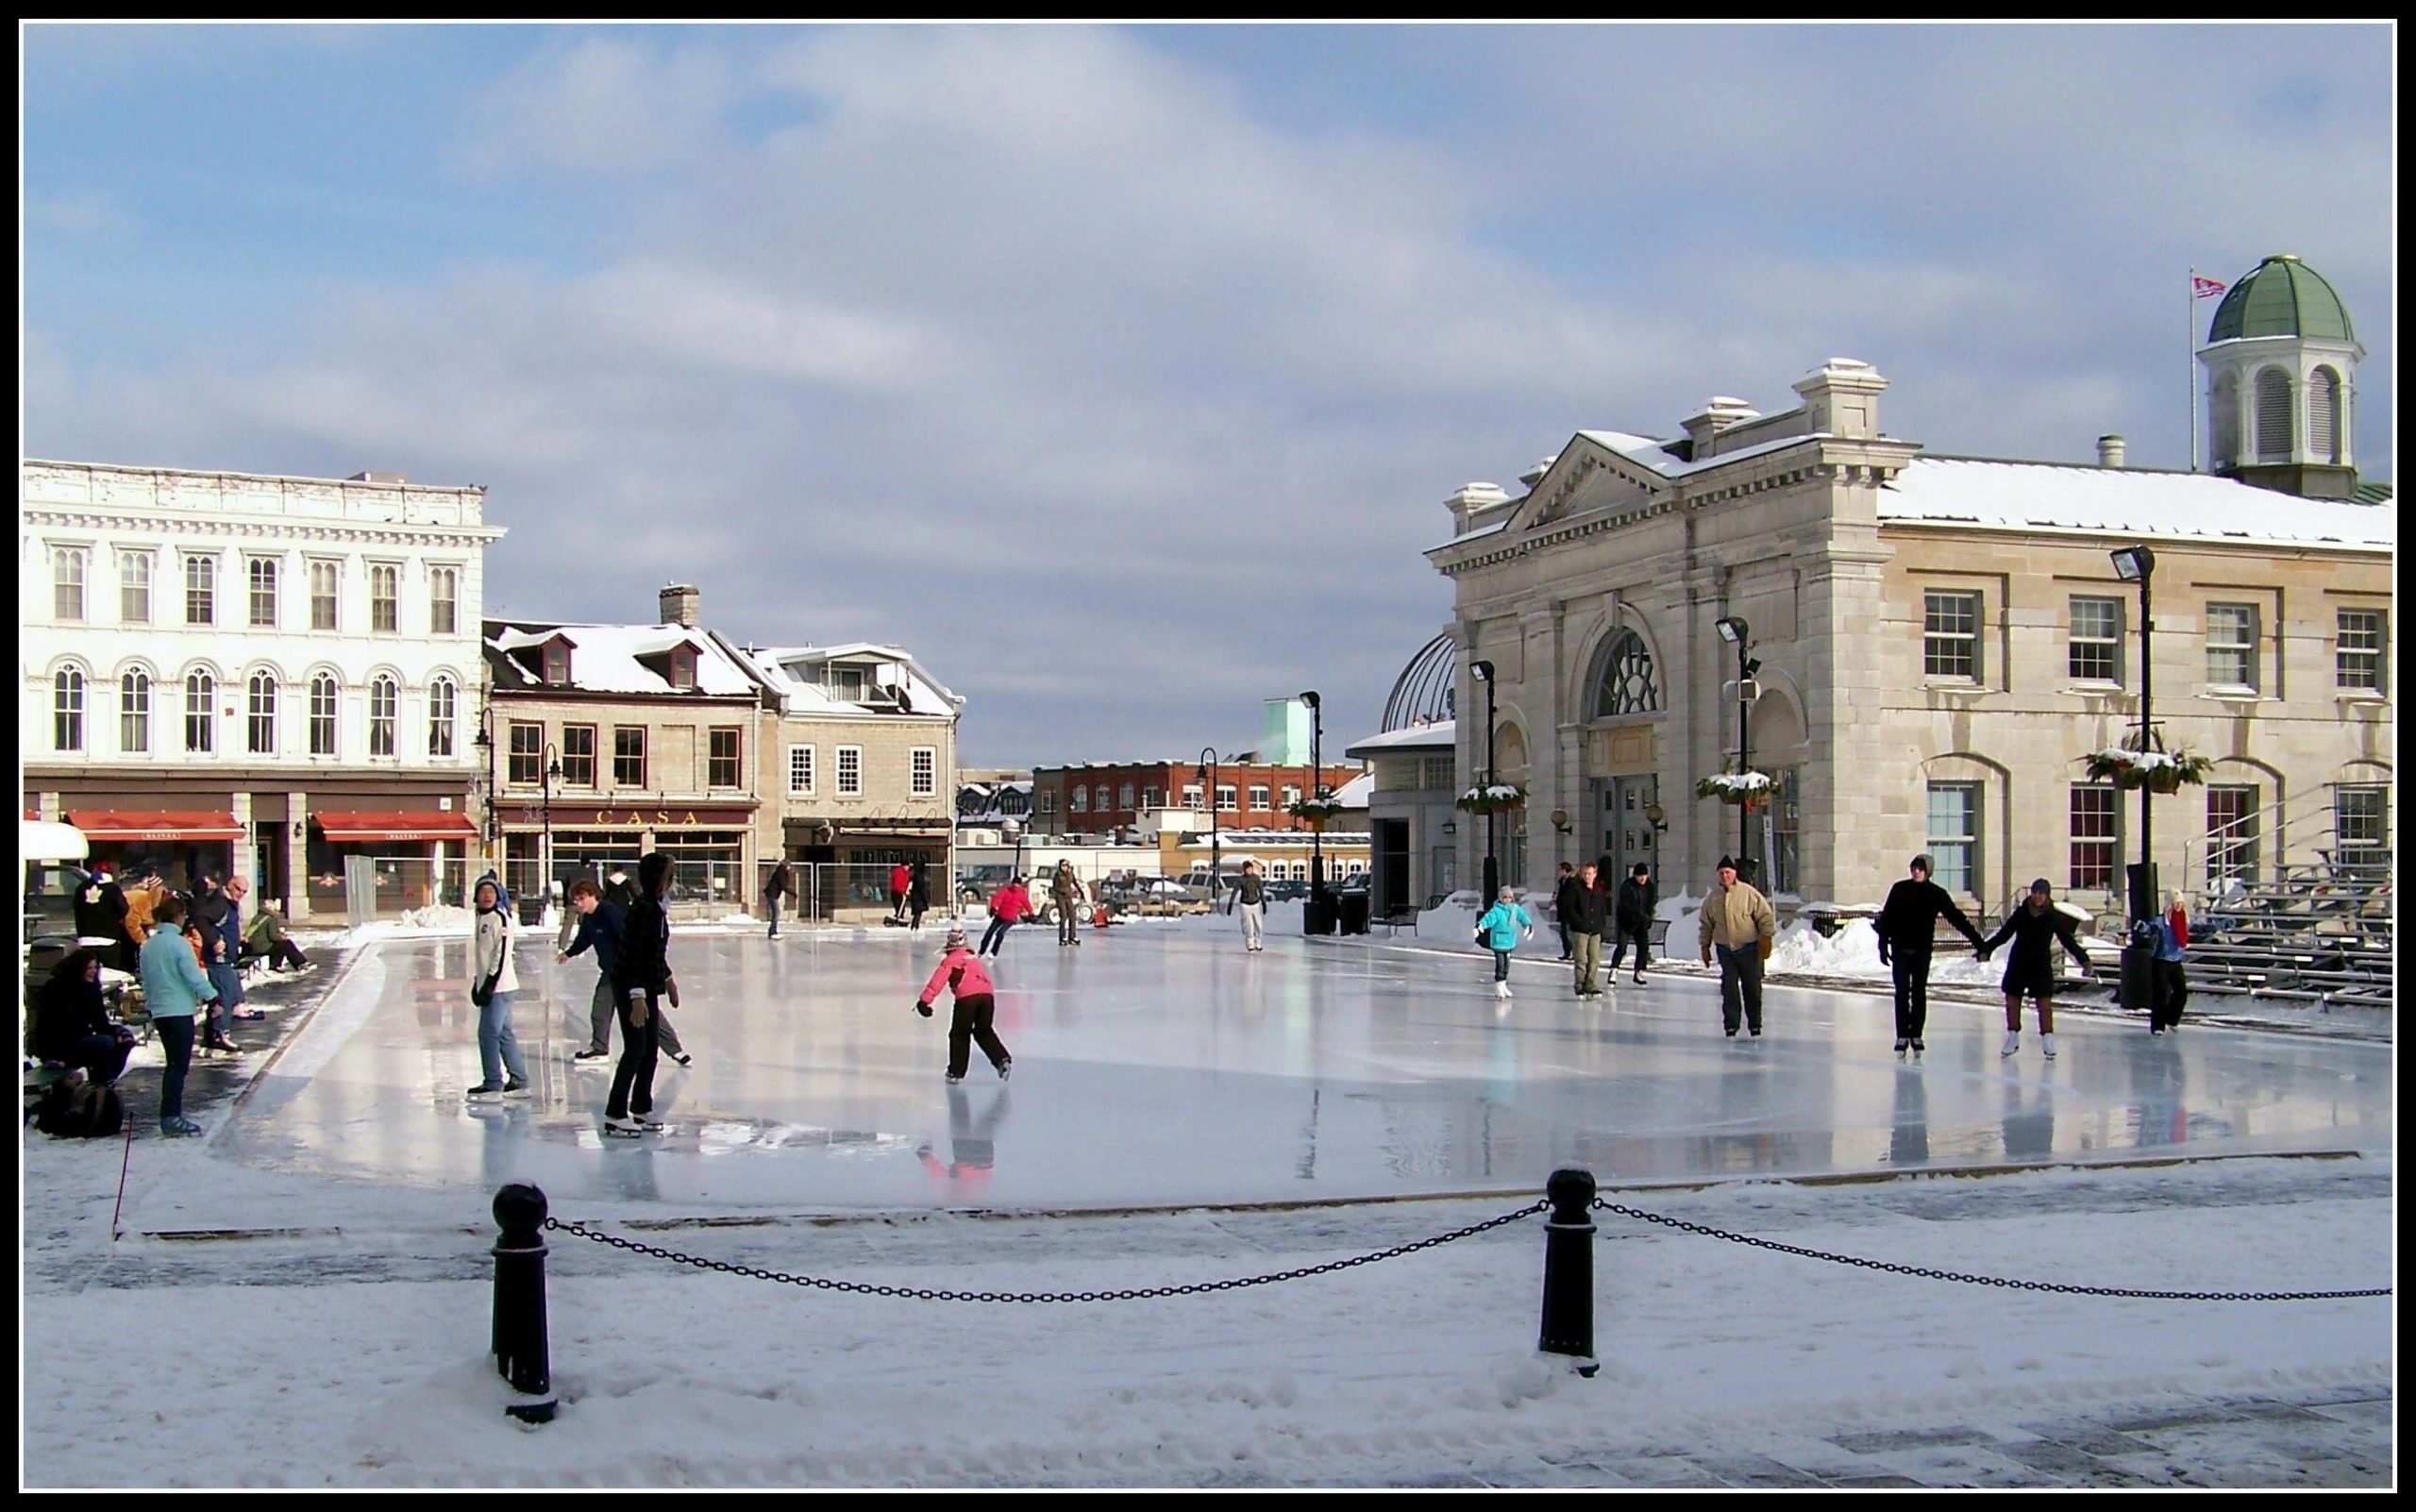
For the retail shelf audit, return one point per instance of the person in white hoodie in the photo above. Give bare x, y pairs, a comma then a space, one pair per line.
492, 983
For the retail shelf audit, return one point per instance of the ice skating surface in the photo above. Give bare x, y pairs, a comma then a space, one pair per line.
1159, 1066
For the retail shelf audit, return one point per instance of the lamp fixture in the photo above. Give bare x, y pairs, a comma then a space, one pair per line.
2133, 564
1732, 630
1658, 816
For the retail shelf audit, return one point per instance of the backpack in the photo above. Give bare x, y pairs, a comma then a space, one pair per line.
84, 1110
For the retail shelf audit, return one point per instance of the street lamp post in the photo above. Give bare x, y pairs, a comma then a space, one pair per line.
1482, 672
486, 749
1317, 790
1208, 772
2138, 565
552, 773
1740, 634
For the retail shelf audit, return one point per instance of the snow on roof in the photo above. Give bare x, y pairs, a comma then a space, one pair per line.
604, 658
1441, 735
2124, 501
1354, 794
795, 671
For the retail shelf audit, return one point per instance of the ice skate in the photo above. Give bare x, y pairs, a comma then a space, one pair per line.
1901, 1046
2047, 1046
2012, 1042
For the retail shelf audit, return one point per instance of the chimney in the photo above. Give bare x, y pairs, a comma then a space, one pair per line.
1841, 399
1718, 414
2109, 451
1472, 500
395, 479
677, 604
1535, 474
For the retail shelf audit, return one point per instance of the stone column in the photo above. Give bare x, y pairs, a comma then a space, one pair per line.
297, 857
1547, 755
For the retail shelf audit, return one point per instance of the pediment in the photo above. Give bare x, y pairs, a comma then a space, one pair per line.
1586, 474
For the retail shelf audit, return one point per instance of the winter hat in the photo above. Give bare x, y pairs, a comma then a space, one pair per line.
955, 939
1509, 895
1926, 869
1640, 869
2039, 888
1726, 864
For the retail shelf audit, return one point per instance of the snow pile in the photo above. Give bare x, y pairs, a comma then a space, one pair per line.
437, 916
1853, 951
1453, 923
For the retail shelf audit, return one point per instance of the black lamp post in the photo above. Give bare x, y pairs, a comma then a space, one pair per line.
1740, 634
486, 749
1317, 790
1482, 672
2138, 565
552, 773
1207, 775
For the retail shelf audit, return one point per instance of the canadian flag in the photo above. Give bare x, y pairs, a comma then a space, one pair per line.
2205, 288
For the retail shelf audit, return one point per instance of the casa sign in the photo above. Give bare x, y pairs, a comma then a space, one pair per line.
648, 819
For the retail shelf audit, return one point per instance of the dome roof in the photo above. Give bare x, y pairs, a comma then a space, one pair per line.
2283, 297
1423, 694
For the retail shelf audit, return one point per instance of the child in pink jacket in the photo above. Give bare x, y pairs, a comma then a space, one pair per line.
960, 971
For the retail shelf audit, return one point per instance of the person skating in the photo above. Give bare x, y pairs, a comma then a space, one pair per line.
900, 877
1008, 906
643, 976
1065, 891
1737, 921
1632, 917
601, 925
1908, 933
2172, 976
782, 883
72, 1025
1501, 928
492, 985
1582, 913
1249, 901
918, 899
2035, 928
173, 987
960, 972
1567, 880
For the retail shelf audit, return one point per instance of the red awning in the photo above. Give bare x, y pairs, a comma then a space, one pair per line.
437, 825
131, 824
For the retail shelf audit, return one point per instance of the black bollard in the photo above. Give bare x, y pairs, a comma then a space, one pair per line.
1568, 1268
522, 1357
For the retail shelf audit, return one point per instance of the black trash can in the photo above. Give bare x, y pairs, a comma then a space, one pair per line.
533, 909
1355, 913
1317, 913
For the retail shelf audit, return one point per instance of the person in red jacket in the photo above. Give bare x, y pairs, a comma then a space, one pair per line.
960, 971
900, 877
1008, 906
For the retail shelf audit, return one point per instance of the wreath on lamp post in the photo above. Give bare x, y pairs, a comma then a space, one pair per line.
1499, 797
2155, 770
1745, 790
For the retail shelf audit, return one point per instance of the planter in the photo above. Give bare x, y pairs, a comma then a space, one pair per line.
2157, 771
1499, 798
1744, 789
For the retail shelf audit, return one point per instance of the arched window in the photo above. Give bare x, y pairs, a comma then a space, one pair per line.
201, 718
2274, 428
440, 718
1628, 684
323, 714
1124, 797
381, 716
134, 712
1081, 798
260, 722
2222, 424
2323, 415
67, 709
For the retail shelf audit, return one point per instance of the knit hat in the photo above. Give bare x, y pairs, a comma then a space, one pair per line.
955, 939
2039, 887
1640, 869
1726, 864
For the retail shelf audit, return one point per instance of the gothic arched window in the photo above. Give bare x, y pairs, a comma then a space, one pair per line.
1628, 685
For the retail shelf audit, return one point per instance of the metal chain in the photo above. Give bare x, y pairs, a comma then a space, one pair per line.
1609, 1206
1135, 1294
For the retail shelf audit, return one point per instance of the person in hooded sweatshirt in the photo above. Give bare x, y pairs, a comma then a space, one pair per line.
493, 985
2035, 928
960, 971
72, 1025
643, 974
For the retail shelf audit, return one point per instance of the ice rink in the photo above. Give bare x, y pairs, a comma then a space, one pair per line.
1158, 1064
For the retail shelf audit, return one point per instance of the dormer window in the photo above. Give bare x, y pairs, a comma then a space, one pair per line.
847, 682
683, 669
556, 662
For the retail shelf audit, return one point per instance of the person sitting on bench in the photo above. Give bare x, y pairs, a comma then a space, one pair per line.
264, 936
72, 1027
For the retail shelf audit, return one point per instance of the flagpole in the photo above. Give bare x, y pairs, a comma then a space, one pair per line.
2193, 367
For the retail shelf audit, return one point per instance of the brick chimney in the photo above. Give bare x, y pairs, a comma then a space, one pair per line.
677, 604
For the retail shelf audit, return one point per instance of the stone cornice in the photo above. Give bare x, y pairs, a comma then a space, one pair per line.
294, 532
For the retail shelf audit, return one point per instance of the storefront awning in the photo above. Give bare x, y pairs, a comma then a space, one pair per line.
107, 825
345, 829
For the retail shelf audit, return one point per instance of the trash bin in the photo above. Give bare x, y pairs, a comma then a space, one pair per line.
533, 909
1317, 913
1355, 913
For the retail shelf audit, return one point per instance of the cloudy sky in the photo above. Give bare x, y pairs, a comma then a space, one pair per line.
1122, 373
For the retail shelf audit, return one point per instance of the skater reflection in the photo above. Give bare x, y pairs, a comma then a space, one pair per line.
2029, 1125
503, 1131
972, 1145
2159, 1089
1909, 1141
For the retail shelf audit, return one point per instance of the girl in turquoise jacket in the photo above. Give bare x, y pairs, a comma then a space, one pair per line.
1501, 928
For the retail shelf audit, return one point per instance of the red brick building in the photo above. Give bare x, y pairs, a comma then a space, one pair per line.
1098, 797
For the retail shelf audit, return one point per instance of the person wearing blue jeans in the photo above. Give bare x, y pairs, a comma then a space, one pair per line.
1501, 928
492, 984
174, 988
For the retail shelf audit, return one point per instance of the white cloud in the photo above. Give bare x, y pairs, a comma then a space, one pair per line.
86, 211
606, 105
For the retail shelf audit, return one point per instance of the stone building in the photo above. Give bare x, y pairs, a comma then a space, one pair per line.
1928, 645
229, 671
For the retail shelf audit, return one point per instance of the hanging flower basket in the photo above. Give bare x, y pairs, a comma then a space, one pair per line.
1316, 811
1500, 799
2155, 770
1746, 790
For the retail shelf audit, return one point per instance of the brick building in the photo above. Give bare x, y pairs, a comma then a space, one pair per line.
1100, 798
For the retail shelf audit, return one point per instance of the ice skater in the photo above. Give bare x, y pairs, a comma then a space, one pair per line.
1632, 917
2172, 988
1501, 929
493, 985
1737, 920
1581, 921
1249, 901
918, 899
643, 977
1065, 891
782, 882
1908, 933
601, 925
960, 972
2035, 928
1008, 906
1560, 906
900, 877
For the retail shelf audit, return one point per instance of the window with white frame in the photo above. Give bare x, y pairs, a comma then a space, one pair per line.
444, 599
1078, 800
261, 715
1124, 796
1048, 801
134, 712
201, 717
383, 698
322, 713
2232, 826
2096, 643
1955, 835
2361, 825
926, 768
1150, 797
1228, 801
1258, 797
1291, 794
67, 583
442, 700
260, 576
2231, 646
851, 771
67, 709
134, 587
2096, 835
801, 770
2356, 656
579, 756
1191, 795
1951, 635
201, 590
322, 595
385, 591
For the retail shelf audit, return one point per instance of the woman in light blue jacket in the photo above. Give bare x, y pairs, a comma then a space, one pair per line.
1501, 928
174, 988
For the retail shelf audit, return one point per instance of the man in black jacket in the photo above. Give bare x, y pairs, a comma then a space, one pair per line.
641, 976
1907, 932
1580, 907
100, 916
1633, 919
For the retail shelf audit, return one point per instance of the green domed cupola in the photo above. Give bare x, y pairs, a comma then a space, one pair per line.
2283, 297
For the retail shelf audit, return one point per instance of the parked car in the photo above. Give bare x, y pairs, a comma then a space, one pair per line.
1162, 896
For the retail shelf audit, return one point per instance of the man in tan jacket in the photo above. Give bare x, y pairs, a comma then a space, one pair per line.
1736, 918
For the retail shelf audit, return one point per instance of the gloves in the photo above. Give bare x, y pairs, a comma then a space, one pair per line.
1882, 952
923, 1008
1985, 952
